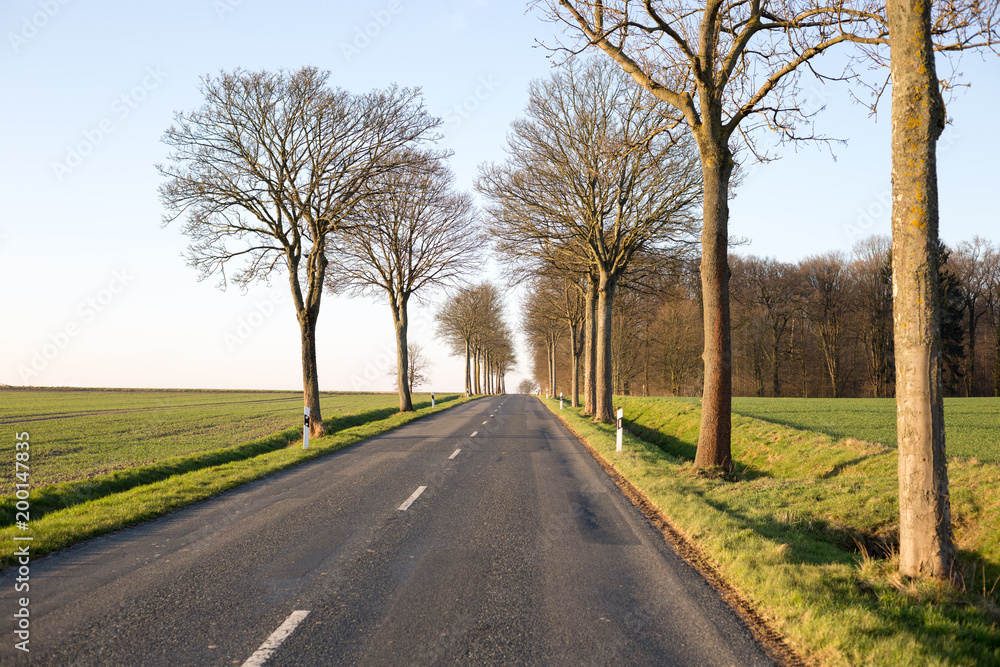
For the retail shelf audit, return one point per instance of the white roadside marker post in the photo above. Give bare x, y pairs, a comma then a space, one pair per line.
305, 431
618, 442
432, 399
560, 400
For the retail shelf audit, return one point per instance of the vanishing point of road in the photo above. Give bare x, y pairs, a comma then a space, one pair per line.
483, 535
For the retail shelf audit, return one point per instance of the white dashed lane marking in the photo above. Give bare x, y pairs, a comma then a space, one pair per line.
271, 644
409, 501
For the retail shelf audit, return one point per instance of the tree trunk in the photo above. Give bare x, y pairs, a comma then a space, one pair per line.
484, 384
775, 351
574, 342
996, 362
926, 546
604, 402
310, 375
714, 444
475, 363
468, 370
554, 376
400, 323
307, 312
590, 347
970, 378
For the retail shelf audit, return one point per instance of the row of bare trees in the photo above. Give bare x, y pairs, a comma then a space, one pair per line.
343, 192
821, 327
732, 68
472, 322
594, 189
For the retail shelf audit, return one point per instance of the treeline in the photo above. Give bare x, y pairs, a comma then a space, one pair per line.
821, 327
472, 323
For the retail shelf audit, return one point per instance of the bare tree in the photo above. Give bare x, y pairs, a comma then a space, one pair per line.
829, 286
554, 307
926, 543
729, 69
543, 327
872, 268
410, 234
270, 167
773, 288
971, 264
590, 172
677, 334
472, 322
458, 322
913, 31
527, 386
418, 368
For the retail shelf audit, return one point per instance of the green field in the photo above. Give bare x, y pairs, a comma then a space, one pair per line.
102, 460
81, 433
972, 425
807, 527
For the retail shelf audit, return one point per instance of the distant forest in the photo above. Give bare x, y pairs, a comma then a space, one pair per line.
819, 328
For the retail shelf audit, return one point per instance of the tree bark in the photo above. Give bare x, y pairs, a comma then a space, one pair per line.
970, 378
553, 375
996, 362
475, 363
400, 324
307, 312
926, 546
574, 342
468, 370
604, 402
775, 380
589, 346
714, 444
310, 376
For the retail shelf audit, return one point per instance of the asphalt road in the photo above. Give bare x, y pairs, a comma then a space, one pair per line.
519, 550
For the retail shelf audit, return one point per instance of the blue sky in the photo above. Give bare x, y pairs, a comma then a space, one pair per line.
95, 292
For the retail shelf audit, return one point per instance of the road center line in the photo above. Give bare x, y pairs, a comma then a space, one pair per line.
474, 434
454, 454
409, 501
271, 644
486, 420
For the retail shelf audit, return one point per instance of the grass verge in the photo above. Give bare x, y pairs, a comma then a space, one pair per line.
805, 532
67, 513
82, 434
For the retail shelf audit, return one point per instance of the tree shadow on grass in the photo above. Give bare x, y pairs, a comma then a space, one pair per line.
952, 629
67, 494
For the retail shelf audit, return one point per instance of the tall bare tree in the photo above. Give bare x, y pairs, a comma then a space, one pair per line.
872, 268
828, 303
555, 307
472, 322
729, 69
411, 233
269, 167
418, 367
527, 386
971, 263
590, 171
543, 327
774, 289
913, 31
926, 544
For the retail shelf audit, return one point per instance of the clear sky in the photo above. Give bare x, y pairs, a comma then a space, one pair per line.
95, 292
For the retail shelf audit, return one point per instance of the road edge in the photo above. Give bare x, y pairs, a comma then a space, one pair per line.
775, 644
65, 528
